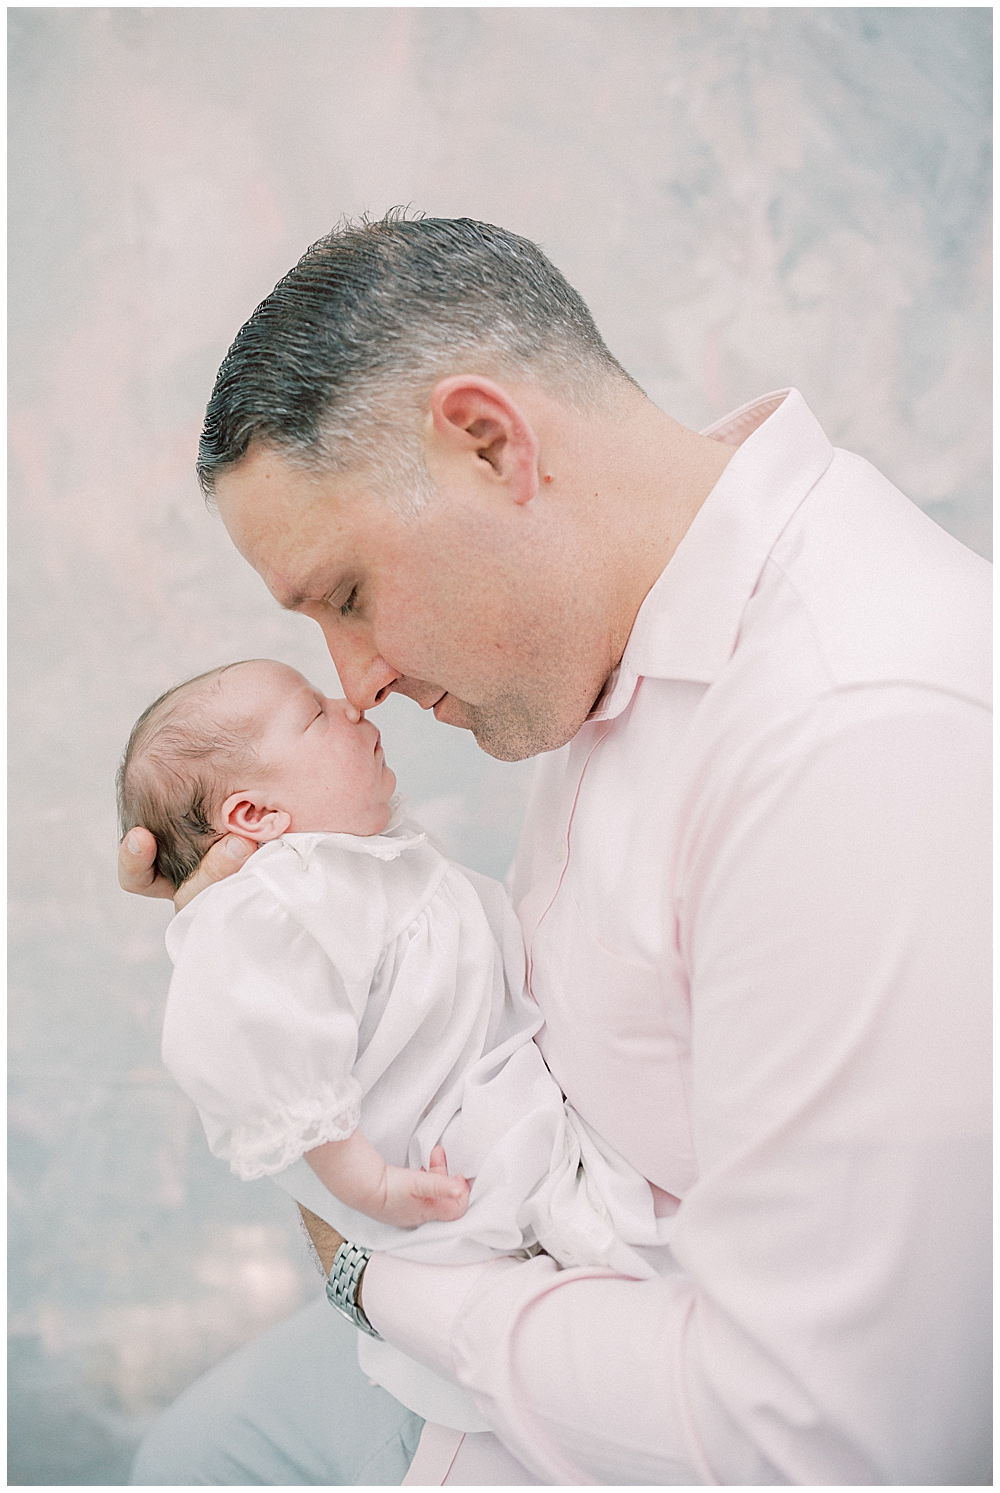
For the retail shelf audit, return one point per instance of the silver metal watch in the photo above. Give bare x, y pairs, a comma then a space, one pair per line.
342, 1286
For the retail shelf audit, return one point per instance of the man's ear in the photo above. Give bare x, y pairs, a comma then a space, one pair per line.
246, 814
473, 419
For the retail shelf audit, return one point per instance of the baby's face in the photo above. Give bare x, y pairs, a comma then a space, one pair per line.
325, 771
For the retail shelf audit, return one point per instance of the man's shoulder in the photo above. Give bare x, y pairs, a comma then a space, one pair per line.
889, 596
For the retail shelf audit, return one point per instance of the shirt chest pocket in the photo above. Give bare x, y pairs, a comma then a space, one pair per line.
617, 1039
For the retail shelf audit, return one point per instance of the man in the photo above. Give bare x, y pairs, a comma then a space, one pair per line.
753, 880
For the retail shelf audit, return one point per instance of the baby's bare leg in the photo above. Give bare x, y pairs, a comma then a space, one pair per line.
355, 1173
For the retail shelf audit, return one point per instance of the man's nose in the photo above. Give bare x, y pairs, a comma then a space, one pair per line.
365, 677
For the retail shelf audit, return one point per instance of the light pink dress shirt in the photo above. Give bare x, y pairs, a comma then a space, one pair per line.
754, 890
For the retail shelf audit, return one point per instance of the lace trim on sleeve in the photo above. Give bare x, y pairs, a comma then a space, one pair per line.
262, 1150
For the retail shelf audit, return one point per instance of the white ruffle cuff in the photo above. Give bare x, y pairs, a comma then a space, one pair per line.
262, 1150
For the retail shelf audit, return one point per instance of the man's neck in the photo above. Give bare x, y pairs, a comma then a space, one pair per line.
652, 476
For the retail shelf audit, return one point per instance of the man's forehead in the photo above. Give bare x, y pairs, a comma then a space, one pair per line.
263, 495
288, 530
291, 576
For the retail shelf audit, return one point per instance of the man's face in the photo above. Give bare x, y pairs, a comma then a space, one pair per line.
470, 607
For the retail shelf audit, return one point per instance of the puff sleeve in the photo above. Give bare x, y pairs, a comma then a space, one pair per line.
261, 1030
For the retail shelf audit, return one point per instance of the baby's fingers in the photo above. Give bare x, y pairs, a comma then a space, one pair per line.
413, 1198
442, 1196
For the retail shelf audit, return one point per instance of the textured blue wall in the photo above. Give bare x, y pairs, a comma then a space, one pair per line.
746, 197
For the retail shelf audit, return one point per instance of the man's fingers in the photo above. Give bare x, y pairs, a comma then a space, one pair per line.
225, 857
137, 865
439, 1161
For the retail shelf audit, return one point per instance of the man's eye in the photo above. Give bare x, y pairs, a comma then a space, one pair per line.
348, 606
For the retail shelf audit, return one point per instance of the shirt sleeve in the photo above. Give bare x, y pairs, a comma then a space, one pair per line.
259, 1031
826, 1323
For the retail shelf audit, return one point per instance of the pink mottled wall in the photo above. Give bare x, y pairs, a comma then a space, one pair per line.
746, 197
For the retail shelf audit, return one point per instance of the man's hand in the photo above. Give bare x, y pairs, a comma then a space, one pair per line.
137, 870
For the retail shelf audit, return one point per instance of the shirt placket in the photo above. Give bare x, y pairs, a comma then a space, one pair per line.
561, 848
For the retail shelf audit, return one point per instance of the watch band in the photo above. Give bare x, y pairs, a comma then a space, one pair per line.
342, 1286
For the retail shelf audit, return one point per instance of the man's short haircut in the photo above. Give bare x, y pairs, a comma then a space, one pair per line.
178, 769
335, 367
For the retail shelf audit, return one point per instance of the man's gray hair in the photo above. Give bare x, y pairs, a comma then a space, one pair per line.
334, 369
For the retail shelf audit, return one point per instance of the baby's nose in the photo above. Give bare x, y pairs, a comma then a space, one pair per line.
353, 714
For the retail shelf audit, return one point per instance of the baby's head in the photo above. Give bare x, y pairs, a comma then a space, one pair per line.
250, 749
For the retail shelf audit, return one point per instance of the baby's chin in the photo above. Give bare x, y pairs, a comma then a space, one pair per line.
373, 824
394, 811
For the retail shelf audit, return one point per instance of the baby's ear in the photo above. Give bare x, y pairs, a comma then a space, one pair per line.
243, 815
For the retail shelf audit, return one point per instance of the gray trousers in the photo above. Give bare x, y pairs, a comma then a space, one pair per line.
292, 1407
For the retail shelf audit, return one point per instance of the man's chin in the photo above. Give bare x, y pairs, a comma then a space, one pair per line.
451, 711
508, 731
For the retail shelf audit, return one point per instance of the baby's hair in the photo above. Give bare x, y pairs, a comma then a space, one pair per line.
178, 769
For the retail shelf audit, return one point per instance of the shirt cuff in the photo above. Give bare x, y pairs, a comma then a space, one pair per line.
416, 1306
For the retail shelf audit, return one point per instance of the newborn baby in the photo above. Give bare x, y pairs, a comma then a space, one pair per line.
349, 1009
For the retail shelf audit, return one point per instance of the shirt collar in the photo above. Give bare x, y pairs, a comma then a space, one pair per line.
687, 626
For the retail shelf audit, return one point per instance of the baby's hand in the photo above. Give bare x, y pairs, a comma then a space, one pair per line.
413, 1197
354, 1171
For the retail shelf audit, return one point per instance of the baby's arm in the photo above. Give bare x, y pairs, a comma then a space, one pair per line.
355, 1173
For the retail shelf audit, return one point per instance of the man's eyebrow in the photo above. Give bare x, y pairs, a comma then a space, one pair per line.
293, 602
318, 591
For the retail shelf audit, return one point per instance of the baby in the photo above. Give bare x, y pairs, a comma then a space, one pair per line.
349, 1009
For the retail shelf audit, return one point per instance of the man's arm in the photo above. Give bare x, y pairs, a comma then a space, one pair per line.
827, 1322
324, 1239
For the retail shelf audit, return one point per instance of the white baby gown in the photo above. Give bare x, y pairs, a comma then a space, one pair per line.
337, 980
